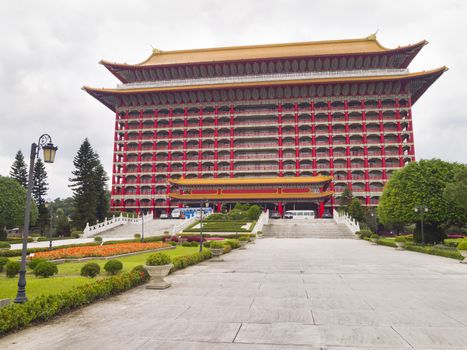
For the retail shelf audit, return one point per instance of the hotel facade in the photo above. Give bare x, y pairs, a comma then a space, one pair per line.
339, 111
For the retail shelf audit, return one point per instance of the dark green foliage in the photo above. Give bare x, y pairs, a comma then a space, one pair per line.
34, 262
62, 223
221, 226
364, 233
422, 183
141, 270
448, 253
45, 269
19, 170
12, 268
253, 212
17, 316
3, 234
158, 259
39, 187
462, 244
233, 243
90, 270
89, 187
207, 244
452, 242
113, 267
5, 245
216, 217
244, 238
13, 204
456, 191
76, 234
98, 239
355, 210
3, 262
43, 220
345, 198
181, 262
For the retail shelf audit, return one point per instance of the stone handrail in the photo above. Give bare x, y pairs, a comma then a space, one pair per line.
178, 228
108, 224
262, 220
347, 220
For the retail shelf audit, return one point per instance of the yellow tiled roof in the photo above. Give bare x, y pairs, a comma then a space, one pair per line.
252, 181
268, 51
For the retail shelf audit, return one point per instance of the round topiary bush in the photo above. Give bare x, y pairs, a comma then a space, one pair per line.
462, 245
137, 236
113, 267
216, 245
364, 234
186, 244
5, 245
207, 244
158, 259
194, 244
98, 239
34, 262
45, 269
90, 270
3, 262
12, 268
374, 236
172, 243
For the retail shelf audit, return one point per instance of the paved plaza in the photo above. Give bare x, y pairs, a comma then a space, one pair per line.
280, 294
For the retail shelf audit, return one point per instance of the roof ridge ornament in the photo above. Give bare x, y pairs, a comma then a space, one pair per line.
155, 50
372, 36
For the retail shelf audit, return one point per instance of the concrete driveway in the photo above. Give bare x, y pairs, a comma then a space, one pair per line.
280, 294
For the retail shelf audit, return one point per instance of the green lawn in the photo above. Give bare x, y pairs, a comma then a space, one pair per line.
69, 275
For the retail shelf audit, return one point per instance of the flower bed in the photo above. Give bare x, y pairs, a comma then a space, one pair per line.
99, 251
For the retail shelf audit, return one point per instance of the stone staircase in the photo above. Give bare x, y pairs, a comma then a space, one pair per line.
301, 228
151, 228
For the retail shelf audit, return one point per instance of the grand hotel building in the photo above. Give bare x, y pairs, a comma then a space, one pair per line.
340, 109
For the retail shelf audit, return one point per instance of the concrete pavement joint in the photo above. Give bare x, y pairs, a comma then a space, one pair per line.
400, 335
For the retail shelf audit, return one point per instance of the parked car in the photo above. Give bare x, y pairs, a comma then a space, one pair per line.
288, 215
163, 216
275, 215
327, 215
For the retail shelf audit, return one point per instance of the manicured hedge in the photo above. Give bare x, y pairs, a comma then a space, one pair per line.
181, 262
387, 242
447, 253
17, 316
222, 226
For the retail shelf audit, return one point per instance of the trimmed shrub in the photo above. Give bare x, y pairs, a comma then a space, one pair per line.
172, 243
462, 245
90, 270
364, 234
207, 244
374, 236
186, 244
452, 242
3, 262
98, 239
448, 253
227, 248
12, 268
216, 245
113, 267
137, 236
16, 316
387, 242
45, 269
76, 234
244, 238
158, 259
5, 245
400, 239
141, 270
181, 262
34, 262
233, 243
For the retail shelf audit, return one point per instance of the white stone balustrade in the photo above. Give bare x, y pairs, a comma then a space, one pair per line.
108, 224
347, 220
262, 220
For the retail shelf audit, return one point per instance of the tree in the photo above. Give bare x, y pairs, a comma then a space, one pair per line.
356, 210
39, 187
345, 198
19, 170
62, 223
88, 186
253, 212
456, 191
43, 220
13, 204
421, 183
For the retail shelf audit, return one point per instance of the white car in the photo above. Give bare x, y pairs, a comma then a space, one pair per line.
163, 216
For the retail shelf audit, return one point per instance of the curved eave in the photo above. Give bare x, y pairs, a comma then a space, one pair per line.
252, 181
108, 96
252, 196
188, 57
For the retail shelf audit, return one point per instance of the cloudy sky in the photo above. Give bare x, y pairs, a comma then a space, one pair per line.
50, 49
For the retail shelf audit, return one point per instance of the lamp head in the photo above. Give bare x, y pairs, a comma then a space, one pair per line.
49, 152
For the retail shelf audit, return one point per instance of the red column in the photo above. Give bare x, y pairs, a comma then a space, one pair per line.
280, 208
279, 130
321, 209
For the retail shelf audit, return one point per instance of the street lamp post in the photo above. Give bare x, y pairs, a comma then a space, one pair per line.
142, 225
45, 142
421, 209
201, 226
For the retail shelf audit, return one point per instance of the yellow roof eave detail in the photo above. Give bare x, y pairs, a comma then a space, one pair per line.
252, 181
